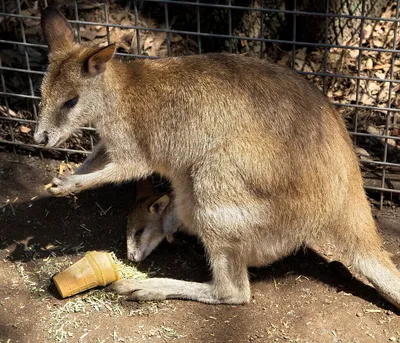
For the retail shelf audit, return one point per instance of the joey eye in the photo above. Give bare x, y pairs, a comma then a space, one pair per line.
71, 103
139, 232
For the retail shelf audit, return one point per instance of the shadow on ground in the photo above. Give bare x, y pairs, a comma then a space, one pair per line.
34, 224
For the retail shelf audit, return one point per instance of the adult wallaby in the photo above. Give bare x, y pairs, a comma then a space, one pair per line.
260, 162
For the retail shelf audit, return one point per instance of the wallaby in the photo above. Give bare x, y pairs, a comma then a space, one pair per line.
260, 162
149, 222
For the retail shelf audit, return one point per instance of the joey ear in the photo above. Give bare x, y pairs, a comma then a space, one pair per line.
56, 30
160, 205
96, 63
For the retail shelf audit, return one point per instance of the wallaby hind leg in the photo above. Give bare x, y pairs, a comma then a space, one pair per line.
230, 285
365, 251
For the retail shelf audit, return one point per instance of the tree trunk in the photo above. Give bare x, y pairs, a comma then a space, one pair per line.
253, 22
340, 30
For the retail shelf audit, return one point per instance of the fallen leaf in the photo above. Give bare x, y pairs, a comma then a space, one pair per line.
369, 65
25, 129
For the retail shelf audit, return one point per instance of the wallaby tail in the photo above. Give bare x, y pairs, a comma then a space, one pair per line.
365, 252
379, 269
357, 236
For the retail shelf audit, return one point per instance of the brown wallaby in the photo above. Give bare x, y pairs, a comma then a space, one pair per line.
260, 162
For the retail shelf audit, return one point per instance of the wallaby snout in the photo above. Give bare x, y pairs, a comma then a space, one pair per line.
51, 137
41, 137
135, 251
136, 256
47, 133
141, 243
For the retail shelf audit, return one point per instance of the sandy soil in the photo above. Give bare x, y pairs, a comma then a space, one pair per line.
304, 298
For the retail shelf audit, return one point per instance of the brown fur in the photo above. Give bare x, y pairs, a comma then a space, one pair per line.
259, 160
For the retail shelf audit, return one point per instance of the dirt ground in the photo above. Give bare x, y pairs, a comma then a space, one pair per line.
304, 298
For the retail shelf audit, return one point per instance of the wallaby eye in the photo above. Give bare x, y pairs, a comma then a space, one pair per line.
71, 103
139, 232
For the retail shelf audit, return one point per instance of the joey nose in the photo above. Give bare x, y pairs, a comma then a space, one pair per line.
133, 256
137, 256
41, 137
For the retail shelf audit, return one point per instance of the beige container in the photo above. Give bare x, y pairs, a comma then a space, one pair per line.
97, 268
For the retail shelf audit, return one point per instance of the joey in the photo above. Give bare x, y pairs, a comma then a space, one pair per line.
151, 221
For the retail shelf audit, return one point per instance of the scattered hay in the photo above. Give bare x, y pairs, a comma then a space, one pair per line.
164, 332
72, 313
128, 269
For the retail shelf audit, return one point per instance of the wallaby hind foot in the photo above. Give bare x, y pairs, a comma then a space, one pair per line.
158, 289
230, 285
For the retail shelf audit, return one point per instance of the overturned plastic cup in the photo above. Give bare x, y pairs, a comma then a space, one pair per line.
96, 268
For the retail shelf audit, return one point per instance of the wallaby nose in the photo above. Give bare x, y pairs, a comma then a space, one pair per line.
136, 256
132, 256
41, 137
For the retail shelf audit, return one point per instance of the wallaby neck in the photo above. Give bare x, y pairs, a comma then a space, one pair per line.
118, 94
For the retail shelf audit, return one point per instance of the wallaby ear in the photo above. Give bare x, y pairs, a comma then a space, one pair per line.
56, 30
159, 205
96, 63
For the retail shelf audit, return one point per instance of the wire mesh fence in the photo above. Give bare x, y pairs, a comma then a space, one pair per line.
347, 48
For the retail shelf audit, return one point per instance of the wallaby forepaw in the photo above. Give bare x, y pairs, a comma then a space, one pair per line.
64, 185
